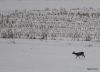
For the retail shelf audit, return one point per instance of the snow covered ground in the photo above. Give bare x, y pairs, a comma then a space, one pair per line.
39, 4
48, 56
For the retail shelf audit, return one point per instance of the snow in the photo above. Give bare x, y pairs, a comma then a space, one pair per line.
21, 4
22, 55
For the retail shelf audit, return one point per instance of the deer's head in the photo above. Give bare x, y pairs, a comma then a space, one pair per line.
73, 52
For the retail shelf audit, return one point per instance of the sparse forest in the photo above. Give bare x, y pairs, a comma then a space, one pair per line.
75, 24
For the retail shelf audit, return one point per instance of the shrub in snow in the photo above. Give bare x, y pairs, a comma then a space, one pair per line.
88, 38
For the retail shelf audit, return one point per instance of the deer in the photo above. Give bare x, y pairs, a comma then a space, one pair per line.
78, 54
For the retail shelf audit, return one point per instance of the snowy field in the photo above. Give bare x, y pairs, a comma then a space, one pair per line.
48, 56
41, 4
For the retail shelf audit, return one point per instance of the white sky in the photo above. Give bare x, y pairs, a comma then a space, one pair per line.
13, 4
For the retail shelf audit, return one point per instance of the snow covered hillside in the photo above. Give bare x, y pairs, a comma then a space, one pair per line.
48, 56
75, 23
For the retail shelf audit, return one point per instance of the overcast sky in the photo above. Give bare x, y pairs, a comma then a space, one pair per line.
13, 4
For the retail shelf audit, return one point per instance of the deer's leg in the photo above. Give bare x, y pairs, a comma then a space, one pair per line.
76, 57
79, 57
84, 56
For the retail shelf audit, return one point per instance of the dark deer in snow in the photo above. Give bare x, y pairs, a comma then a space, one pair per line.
78, 54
